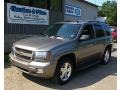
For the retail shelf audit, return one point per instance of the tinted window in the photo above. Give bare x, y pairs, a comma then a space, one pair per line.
99, 30
107, 29
63, 30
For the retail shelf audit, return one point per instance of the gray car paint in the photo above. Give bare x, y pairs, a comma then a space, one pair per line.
59, 47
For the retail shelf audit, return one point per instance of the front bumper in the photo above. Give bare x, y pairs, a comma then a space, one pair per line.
40, 69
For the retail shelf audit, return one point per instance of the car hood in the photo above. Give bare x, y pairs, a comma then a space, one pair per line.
38, 43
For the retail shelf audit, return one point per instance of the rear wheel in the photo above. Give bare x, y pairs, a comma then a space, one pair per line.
106, 56
64, 71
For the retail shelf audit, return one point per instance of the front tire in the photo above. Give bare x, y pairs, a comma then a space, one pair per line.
64, 71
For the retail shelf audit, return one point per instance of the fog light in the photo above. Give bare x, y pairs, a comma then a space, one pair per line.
39, 71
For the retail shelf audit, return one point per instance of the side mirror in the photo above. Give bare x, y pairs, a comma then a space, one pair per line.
84, 37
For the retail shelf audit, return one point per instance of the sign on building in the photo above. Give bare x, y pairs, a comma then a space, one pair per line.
27, 15
72, 10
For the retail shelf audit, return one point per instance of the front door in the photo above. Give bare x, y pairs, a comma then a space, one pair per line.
87, 50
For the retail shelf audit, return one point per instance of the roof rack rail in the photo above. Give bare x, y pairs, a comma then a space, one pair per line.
69, 21
78, 21
95, 21
89, 21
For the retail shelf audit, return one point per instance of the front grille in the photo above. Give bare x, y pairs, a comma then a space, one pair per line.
23, 54
23, 50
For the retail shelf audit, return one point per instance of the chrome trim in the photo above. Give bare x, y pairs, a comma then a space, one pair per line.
24, 54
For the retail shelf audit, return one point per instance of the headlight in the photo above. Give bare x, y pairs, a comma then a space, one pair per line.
41, 55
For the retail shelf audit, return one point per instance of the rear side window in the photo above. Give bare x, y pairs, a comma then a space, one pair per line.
99, 30
107, 29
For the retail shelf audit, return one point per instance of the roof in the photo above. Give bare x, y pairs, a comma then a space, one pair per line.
89, 3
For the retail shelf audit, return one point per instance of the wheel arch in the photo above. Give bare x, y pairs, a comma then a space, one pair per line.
68, 55
109, 46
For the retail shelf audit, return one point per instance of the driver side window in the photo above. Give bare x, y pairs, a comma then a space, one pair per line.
87, 33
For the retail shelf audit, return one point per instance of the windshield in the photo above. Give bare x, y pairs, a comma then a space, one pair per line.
63, 30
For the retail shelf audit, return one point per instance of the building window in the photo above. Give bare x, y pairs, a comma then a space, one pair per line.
56, 5
34, 3
40, 3
21, 2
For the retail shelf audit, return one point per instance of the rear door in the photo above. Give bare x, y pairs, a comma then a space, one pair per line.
100, 35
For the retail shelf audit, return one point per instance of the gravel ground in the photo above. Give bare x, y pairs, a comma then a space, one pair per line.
98, 77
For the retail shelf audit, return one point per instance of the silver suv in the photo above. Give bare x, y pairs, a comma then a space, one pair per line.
62, 49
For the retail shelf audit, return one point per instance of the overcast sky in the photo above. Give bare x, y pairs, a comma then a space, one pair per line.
99, 2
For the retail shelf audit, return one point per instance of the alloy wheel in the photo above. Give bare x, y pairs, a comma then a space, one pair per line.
65, 71
107, 56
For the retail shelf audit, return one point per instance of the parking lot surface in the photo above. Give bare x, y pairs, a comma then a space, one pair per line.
98, 77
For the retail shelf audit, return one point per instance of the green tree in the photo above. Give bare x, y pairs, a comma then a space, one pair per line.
109, 10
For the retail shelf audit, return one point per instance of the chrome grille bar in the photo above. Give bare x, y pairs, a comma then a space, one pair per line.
23, 54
